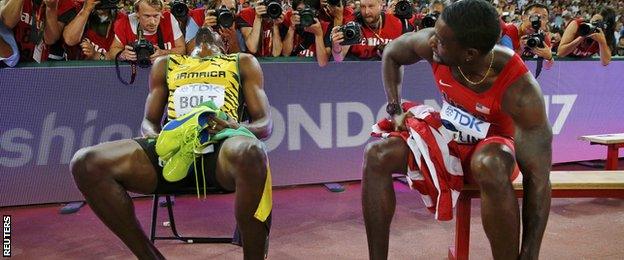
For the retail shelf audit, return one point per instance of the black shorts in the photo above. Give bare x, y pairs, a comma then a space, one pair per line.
187, 184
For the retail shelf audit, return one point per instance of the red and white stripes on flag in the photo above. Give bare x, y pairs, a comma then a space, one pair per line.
433, 169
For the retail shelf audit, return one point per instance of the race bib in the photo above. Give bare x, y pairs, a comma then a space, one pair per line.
468, 128
186, 97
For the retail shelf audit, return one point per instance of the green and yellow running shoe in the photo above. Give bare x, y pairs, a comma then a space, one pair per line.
178, 166
173, 133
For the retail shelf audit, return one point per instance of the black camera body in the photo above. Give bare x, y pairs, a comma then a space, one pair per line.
107, 4
143, 49
225, 17
589, 28
179, 9
352, 33
536, 24
403, 9
429, 20
306, 16
334, 2
273, 8
536, 40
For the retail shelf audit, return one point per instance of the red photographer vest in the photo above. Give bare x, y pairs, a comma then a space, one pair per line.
126, 28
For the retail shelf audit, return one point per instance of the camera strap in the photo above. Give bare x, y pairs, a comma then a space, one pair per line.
308, 39
159, 35
540, 64
132, 66
406, 26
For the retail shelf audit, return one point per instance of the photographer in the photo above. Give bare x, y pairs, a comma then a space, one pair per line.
37, 26
92, 28
260, 27
334, 12
161, 30
221, 16
405, 13
305, 37
582, 39
426, 20
377, 30
620, 47
530, 38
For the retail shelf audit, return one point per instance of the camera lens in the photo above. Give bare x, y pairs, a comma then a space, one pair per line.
274, 10
225, 19
586, 29
349, 33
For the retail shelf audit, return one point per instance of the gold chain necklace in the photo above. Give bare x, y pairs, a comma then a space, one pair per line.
484, 77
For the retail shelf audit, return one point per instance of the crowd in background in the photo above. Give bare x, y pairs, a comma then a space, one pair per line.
53, 30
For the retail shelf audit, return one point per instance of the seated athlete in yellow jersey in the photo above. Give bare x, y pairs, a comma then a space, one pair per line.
104, 173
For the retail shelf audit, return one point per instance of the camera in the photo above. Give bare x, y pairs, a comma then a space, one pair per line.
403, 9
620, 51
429, 20
306, 16
535, 40
273, 8
225, 18
334, 2
589, 28
107, 4
143, 49
352, 33
179, 9
536, 24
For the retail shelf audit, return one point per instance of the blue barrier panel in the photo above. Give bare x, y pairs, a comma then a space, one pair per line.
322, 118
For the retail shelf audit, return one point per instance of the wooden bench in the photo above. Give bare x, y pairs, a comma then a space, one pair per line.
613, 142
565, 184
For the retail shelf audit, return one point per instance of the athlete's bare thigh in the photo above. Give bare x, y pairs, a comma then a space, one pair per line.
126, 162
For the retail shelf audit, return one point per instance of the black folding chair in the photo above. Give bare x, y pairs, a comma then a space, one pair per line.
174, 230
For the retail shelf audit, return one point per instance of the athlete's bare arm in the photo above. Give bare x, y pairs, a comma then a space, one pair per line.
156, 99
260, 122
524, 102
405, 50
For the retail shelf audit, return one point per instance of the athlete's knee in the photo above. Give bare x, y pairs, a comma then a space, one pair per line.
379, 154
247, 155
492, 165
84, 166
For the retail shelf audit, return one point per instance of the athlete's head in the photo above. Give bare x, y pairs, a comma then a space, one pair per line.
207, 43
149, 13
466, 30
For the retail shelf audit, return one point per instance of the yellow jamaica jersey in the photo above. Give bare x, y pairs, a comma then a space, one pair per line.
192, 81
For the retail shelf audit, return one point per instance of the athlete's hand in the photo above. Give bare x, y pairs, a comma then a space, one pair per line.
399, 121
217, 124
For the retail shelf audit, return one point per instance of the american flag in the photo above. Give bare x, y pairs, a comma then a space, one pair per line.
483, 109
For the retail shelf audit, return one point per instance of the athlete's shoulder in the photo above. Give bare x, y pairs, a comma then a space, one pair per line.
503, 56
245, 58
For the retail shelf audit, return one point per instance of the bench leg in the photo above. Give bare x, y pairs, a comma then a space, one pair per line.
462, 229
612, 157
